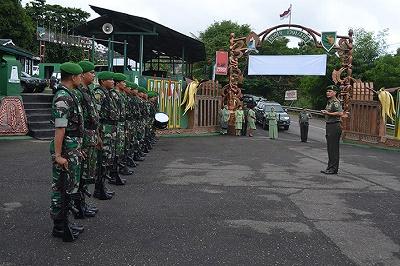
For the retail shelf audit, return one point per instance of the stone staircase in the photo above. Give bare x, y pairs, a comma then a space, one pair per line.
38, 111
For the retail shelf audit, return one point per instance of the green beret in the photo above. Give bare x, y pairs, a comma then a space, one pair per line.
152, 94
134, 86
71, 68
86, 66
105, 75
141, 89
119, 77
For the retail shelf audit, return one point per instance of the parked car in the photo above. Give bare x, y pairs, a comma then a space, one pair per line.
250, 99
31, 84
264, 107
55, 80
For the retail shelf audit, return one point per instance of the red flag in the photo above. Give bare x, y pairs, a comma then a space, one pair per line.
286, 13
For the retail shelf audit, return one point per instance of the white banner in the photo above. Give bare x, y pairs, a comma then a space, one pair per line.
310, 65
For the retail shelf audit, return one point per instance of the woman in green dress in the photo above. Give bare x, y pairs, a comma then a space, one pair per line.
239, 119
273, 124
251, 121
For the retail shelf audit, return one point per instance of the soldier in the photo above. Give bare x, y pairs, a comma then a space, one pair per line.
119, 165
304, 118
90, 139
153, 110
137, 121
143, 150
65, 150
108, 114
333, 111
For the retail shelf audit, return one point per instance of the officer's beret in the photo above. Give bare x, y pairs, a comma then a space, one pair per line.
119, 77
134, 86
71, 68
141, 89
105, 75
333, 88
86, 66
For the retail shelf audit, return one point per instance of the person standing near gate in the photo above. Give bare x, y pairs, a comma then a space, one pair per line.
272, 117
304, 118
239, 119
251, 120
223, 119
333, 111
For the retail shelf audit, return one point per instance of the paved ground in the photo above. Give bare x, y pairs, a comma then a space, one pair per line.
215, 200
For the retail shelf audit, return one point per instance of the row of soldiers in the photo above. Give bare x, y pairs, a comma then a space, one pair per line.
100, 134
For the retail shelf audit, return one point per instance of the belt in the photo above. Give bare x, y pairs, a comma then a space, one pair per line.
334, 122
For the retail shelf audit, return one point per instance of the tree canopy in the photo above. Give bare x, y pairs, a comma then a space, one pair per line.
15, 24
58, 19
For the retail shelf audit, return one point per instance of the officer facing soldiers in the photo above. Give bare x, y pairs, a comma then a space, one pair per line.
333, 111
108, 114
65, 150
90, 139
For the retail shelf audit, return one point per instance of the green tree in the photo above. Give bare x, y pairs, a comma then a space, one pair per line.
58, 19
368, 47
15, 24
385, 72
215, 38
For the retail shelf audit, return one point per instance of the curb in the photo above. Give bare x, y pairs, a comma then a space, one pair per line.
14, 138
368, 146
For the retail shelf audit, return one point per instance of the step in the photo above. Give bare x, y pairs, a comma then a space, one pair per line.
37, 97
37, 105
40, 125
39, 117
45, 134
38, 111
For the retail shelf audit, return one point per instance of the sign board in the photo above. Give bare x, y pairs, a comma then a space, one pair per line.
289, 32
291, 95
221, 59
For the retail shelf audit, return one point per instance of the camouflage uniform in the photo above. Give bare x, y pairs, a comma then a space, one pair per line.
136, 122
120, 103
108, 114
67, 113
86, 99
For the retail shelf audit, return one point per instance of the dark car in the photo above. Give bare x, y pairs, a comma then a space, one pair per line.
55, 80
249, 99
264, 107
31, 84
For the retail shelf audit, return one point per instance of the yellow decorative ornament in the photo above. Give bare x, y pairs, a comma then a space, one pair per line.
190, 95
387, 102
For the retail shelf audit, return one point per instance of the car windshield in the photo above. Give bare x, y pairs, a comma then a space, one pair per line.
277, 108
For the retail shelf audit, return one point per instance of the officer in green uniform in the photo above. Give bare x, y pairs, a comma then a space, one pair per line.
304, 118
108, 114
86, 99
333, 111
65, 151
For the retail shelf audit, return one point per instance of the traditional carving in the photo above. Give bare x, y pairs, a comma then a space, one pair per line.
12, 117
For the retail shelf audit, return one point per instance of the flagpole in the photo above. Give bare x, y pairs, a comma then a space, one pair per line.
290, 15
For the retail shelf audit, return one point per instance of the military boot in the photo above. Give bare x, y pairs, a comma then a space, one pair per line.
100, 193
64, 230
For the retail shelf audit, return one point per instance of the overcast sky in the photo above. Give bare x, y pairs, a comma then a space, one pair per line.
195, 16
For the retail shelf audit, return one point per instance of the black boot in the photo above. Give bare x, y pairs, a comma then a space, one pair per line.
100, 193
116, 179
137, 157
63, 230
124, 170
79, 205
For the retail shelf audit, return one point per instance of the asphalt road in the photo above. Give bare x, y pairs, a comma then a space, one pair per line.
215, 200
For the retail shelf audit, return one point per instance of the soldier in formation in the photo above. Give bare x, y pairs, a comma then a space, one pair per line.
99, 134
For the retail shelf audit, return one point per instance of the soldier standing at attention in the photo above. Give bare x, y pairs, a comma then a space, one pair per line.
108, 114
65, 151
90, 139
333, 111
304, 118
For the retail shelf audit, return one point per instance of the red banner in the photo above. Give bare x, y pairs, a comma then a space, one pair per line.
221, 63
